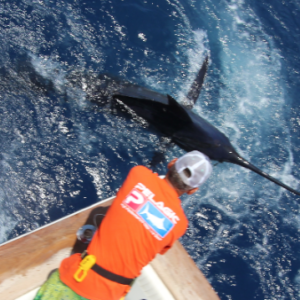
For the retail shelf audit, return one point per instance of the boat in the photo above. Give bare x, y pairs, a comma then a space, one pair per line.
27, 260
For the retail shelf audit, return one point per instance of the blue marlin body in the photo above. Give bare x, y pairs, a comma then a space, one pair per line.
185, 128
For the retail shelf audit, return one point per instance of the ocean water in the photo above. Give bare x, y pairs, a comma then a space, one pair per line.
59, 152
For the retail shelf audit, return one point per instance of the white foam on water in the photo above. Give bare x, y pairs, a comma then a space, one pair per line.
49, 69
94, 172
252, 99
7, 221
196, 53
56, 73
251, 111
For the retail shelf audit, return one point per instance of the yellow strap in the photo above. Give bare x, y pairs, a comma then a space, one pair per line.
84, 266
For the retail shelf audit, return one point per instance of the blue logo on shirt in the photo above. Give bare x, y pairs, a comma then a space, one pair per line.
155, 219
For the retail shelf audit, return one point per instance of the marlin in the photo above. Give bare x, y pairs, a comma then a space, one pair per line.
185, 128
173, 120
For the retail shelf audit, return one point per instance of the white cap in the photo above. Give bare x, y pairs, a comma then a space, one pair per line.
198, 164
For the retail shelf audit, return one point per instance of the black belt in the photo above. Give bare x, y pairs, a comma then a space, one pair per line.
107, 274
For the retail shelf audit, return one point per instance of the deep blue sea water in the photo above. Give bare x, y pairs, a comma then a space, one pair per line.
60, 153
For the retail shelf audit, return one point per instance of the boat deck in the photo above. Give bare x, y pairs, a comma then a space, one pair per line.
30, 258
148, 286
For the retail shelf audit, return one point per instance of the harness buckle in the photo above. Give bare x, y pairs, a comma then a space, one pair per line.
86, 264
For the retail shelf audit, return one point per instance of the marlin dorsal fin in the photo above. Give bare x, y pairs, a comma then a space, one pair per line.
196, 86
179, 110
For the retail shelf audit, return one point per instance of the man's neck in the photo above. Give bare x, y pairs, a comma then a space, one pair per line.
179, 193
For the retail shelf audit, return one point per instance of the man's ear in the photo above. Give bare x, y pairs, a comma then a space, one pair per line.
190, 192
171, 163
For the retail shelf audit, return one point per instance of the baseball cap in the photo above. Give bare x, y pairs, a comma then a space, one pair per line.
199, 166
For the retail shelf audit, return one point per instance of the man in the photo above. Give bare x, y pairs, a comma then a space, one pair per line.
146, 218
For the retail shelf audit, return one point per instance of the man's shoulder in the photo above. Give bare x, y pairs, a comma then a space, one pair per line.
142, 174
140, 169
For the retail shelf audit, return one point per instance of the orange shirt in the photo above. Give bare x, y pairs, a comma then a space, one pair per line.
146, 218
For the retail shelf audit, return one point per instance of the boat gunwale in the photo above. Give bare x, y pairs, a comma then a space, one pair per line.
58, 220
